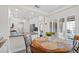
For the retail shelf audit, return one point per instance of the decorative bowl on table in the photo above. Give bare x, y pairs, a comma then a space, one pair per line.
50, 35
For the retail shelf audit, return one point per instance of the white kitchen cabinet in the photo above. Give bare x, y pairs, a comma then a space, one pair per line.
17, 43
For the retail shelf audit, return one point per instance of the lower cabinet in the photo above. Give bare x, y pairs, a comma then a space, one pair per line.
17, 44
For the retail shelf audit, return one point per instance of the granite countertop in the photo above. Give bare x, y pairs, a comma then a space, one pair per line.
16, 35
34, 33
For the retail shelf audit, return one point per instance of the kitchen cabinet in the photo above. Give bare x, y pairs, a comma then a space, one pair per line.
17, 43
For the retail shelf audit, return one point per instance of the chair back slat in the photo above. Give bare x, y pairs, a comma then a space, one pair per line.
76, 43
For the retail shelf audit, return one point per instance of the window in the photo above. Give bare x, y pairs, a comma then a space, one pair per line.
70, 27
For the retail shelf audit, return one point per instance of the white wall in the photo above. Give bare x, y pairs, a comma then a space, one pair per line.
16, 23
77, 25
27, 25
4, 21
47, 21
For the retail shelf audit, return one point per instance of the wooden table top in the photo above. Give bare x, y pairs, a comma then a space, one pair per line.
63, 46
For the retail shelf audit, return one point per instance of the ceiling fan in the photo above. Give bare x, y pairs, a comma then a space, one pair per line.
37, 6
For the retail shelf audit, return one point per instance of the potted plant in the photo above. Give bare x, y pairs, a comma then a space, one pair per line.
49, 34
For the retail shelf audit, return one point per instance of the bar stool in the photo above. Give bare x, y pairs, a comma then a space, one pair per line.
76, 43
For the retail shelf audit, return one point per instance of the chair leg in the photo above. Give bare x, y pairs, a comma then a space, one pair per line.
28, 49
74, 44
76, 50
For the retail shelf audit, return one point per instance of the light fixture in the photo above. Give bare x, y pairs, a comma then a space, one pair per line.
17, 9
32, 13
37, 6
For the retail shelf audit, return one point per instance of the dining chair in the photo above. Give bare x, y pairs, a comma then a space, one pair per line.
76, 44
27, 40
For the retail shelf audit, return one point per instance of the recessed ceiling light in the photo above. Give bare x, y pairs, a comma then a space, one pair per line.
32, 13
17, 9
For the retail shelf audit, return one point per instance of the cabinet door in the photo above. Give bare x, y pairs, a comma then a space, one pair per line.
17, 44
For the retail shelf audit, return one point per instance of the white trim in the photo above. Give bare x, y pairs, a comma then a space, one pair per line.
61, 10
29, 8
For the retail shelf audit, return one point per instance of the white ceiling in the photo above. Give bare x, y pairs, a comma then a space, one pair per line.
26, 11
47, 8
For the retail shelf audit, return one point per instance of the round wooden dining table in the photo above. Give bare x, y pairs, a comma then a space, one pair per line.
52, 46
